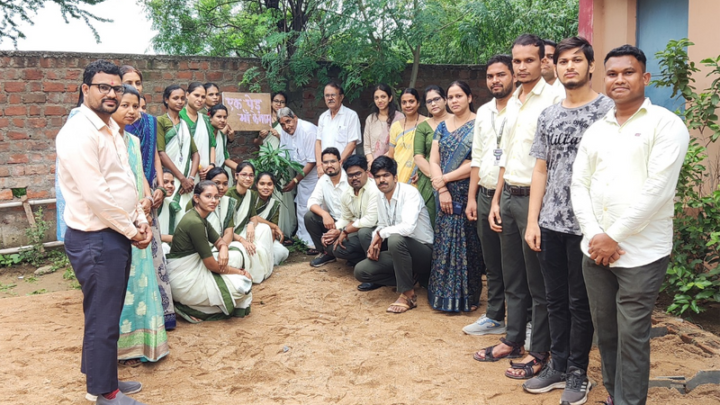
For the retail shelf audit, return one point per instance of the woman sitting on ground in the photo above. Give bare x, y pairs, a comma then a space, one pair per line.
256, 240
268, 212
206, 287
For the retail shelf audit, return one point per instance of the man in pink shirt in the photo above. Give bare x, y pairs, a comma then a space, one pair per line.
104, 219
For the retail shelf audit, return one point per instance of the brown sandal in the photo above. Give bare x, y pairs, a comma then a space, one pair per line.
409, 304
517, 352
528, 369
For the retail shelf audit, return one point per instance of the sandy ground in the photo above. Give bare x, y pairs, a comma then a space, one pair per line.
340, 347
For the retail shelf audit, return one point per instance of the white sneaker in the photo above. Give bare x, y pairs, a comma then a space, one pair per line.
528, 335
485, 326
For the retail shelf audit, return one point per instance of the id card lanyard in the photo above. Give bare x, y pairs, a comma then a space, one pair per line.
497, 152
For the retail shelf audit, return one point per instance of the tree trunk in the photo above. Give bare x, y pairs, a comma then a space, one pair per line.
415, 66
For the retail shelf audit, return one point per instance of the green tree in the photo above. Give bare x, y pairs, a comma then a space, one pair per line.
369, 41
15, 11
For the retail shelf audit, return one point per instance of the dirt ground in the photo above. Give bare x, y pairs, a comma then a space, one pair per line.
312, 338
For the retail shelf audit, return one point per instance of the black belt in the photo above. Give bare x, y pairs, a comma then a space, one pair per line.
517, 191
487, 192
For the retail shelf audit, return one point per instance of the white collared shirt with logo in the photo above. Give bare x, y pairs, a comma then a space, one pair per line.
624, 180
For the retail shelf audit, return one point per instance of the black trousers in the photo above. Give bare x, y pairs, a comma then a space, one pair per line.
492, 255
101, 261
316, 229
571, 327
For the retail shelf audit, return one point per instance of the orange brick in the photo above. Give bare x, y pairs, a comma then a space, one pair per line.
17, 135
54, 110
32, 74
6, 194
16, 110
18, 158
14, 87
51, 87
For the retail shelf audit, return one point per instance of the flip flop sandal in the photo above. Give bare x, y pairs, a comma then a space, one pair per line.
516, 353
288, 242
312, 252
527, 368
411, 303
130, 363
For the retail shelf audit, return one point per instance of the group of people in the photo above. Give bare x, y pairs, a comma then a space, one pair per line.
562, 196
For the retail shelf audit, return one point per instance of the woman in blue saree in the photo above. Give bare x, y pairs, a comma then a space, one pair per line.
142, 328
455, 281
145, 128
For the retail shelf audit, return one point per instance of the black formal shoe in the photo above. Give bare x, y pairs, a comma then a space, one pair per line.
368, 286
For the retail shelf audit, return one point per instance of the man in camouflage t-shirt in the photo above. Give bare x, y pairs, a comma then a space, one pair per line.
552, 229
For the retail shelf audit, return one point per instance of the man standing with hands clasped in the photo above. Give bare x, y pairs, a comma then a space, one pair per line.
552, 229
623, 184
104, 219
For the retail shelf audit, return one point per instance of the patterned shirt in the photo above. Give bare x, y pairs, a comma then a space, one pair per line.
559, 131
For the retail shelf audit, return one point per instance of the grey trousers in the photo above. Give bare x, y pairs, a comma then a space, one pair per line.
621, 303
316, 229
492, 255
524, 283
403, 261
101, 261
356, 246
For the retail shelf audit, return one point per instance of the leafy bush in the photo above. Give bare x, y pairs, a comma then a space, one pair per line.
693, 275
276, 161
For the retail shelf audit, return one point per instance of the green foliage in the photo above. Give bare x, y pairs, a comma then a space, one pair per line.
10, 260
693, 275
278, 162
297, 246
36, 234
16, 11
38, 292
368, 41
7, 287
31, 279
59, 260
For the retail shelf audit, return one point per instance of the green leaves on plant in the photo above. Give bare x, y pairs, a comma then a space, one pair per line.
693, 276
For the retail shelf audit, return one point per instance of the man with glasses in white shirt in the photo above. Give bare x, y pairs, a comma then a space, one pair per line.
400, 253
338, 127
359, 214
324, 207
623, 184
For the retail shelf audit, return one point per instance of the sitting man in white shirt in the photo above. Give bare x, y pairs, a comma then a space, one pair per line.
623, 184
324, 207
400, 253
359, 213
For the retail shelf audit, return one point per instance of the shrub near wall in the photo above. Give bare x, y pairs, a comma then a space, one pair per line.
38, 90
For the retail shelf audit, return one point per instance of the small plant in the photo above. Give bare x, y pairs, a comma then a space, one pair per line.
36, 234
7, 287
276, 161
693, 275
9, 260
297, 246
31, 279
38, 292
69, 274
59, 260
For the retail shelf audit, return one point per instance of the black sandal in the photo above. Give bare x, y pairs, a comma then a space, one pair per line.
517, 352
528, 368
312, 252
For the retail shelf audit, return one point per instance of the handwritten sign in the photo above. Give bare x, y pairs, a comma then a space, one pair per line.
248, 111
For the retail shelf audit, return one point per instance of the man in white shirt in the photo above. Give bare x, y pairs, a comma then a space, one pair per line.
623, 184
359, 213
548, 68
401, 249
552, 229
298, 136
103, 219
524, 286
338, 127
490, 127
324, 207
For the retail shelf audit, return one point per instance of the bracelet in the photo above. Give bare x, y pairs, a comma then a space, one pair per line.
165, 193
152, 201
295, 180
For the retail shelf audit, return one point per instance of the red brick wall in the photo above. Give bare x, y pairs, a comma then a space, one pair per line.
38, 90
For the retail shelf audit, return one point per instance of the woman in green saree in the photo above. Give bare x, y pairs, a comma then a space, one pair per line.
200, 129
436, 103
205, 287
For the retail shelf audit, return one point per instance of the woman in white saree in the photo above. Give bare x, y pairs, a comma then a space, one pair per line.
205, 287
255, 239
268, 211
223, 134
199, 126
179, 154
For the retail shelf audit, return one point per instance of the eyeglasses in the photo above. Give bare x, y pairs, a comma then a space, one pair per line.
212, 197
330, 96
354, 175
105, 88
279, 101
433, 100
